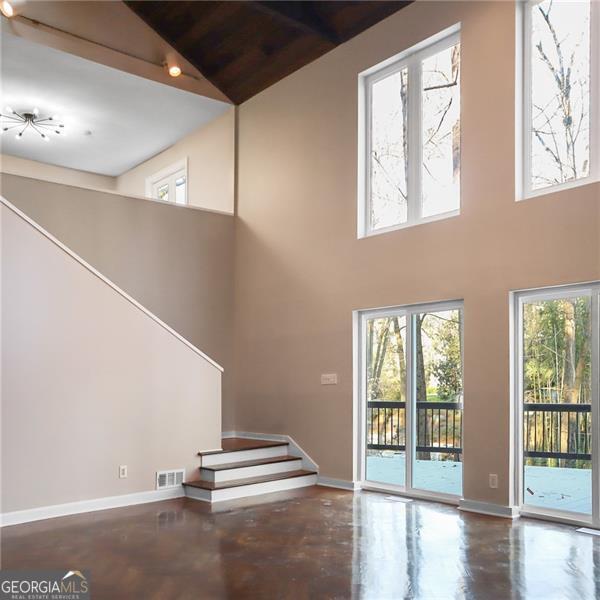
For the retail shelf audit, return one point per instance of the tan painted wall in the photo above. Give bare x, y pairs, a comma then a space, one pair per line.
15, 165
300, 271
89, 382
177, 262
210, 151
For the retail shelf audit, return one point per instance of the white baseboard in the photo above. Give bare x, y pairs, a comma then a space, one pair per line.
295, 449
549, 515
342, 484
83, 506
487, 508
413, 494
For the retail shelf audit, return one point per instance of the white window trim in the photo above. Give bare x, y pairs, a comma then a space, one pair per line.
517, 299
360, 318
180, 165
524, 190
410, 59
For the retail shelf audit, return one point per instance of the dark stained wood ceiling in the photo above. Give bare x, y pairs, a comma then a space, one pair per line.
244, 47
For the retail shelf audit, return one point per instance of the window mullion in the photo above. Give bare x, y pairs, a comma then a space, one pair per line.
409, 412
365, 214
595, 318
414, 139
526, 172
594, 90
172, 187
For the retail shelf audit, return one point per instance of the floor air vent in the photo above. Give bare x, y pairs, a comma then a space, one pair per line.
167, 479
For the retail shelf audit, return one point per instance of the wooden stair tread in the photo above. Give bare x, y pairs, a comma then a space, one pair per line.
238, 444
251, 463
222, 485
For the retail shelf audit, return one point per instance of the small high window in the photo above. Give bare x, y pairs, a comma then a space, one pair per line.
170, 184
409, 156
560, 95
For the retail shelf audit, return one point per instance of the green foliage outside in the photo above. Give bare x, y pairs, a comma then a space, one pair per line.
438, 357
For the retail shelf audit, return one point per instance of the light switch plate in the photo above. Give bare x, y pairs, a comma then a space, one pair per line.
329, 379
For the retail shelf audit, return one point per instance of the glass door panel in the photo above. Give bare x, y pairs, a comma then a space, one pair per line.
438, 401
556, 399
386, 387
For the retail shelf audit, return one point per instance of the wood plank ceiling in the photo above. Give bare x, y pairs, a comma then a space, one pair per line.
244, 47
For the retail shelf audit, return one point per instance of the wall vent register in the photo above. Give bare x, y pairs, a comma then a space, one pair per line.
169, 479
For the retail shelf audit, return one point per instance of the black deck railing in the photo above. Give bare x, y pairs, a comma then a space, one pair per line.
550, 430
557, 430
439, 426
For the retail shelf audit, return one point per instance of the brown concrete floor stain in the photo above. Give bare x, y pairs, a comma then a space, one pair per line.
311, 543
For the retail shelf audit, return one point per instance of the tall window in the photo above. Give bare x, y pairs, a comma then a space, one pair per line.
561, 63
170, 184
411, 383
557, 400
410, 137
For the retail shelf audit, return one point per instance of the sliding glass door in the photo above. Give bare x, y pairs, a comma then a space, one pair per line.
412, 398
386, 391
438, 401
557, 400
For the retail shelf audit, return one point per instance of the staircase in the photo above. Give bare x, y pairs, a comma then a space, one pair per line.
246, 467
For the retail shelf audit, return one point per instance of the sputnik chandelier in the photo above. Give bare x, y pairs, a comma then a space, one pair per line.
31, 120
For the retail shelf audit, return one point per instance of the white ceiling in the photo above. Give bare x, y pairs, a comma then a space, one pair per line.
130, 118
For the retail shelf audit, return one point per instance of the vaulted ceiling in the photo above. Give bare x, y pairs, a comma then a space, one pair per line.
244, 47
110, 116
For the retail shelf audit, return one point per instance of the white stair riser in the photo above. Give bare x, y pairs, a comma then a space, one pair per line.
254, 471
255, 489
197, 493
241, 455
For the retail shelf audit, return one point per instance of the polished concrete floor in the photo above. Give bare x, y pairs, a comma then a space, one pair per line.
311, 543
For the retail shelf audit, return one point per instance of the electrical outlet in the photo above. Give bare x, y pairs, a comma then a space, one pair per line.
122, 471
493, 480
329, 379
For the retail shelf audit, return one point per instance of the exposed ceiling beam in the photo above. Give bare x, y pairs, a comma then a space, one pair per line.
300, 15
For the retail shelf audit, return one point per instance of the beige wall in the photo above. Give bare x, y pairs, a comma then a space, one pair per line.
90, 382
37, 170
176, 261
300, 271
210, 151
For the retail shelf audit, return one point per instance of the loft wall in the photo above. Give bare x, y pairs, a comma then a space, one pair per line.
300, 271
14, 165
210, 152
176, 261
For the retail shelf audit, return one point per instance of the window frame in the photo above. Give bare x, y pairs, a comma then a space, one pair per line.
169, 175
517, 301
524, 174
409, 311
410, 59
